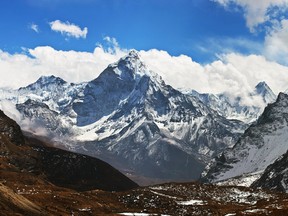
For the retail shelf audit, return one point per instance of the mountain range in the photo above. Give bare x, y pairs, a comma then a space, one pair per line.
233, 107
129, 117
40, 180
53, 163
260, 146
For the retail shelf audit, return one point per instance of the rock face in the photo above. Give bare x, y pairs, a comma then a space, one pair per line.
130, 118
60, 167
275, 176
260, 145
10, 129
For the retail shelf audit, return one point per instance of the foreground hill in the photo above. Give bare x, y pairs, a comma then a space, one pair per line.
54, 165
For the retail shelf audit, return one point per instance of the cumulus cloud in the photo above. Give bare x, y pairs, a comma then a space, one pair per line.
257, 12
276, 43
270, 14
22, 69
34, 27
233, 73
68, 29
178, 71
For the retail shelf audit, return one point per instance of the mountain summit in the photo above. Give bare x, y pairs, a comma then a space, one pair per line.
265, 92
130, 118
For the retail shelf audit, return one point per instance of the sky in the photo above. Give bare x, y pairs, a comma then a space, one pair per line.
208, 45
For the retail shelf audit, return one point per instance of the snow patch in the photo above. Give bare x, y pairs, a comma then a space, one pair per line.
191, 202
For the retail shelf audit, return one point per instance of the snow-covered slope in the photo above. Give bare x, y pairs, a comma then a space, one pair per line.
260, 145
275, 176
232, 108
56, 93
129, 117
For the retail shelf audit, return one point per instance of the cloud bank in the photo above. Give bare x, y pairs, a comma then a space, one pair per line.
276, 43
233, 73
68, 29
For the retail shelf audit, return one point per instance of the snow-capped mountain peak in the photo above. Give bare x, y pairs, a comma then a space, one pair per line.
265, 92
132, 67
45, 81
233, 108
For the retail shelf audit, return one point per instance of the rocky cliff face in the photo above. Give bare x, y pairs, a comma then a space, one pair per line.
275, 176
260, 145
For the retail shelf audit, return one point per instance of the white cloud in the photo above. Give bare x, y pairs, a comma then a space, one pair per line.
178, 71
238, 75
68, 29
34, 27
276, 43
270, 14
21, 69
234, 73
257, 12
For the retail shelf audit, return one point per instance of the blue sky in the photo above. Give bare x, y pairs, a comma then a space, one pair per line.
207, 45
191, 27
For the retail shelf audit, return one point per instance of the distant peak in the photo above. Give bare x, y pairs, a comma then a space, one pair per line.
263, 89
261, 85
50, 79
44, 81
133, 53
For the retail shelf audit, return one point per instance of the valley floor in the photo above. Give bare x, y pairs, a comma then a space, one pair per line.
29, 197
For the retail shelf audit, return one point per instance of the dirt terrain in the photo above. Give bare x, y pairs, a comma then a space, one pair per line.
39, 180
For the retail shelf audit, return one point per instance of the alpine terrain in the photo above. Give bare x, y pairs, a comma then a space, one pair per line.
261, 145
40, 180
130, 118
232, 108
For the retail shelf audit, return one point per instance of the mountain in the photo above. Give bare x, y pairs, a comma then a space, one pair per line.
22, 154
232, 108
275, 176
265, 92
56, 93
130, 118
260, 145
38, 180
